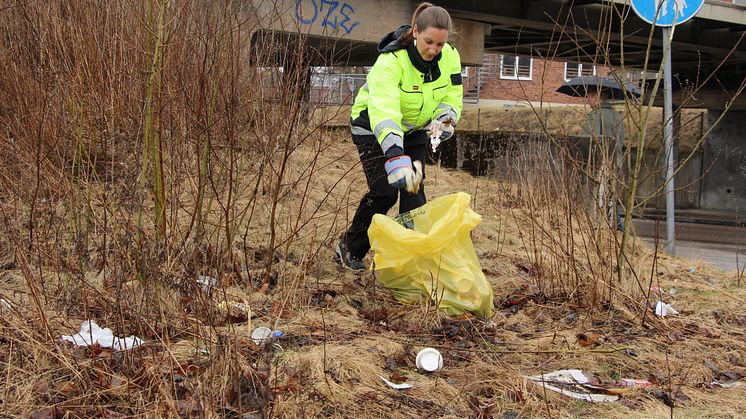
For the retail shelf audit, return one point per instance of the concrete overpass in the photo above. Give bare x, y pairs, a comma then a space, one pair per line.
609, 32
708, 50
348, 31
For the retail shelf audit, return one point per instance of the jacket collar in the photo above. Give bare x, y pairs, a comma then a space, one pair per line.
430, 69
392, 42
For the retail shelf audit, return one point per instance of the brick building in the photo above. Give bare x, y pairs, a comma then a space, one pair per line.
510, 79
518, 79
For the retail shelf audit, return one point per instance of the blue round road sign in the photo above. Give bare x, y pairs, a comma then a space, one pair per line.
669, 12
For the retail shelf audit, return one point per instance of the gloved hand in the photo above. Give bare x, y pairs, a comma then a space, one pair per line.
402, 173
441, 130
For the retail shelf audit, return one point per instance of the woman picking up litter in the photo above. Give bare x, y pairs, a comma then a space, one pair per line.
413, 90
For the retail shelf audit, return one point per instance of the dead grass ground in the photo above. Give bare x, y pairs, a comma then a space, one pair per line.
343, 331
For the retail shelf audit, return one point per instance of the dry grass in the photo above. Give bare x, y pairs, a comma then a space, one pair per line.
343, 331
106, 223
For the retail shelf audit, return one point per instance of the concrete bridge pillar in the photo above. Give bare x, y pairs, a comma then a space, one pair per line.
724, 180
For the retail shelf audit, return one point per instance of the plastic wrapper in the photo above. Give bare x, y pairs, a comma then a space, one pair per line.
434, 258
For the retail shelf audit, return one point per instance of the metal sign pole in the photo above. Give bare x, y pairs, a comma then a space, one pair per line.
667, 14
668, 141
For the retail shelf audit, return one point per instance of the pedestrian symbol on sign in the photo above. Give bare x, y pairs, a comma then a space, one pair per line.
666, 12
678, 7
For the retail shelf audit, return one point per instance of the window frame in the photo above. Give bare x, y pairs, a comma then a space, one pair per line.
515, 75
578, 68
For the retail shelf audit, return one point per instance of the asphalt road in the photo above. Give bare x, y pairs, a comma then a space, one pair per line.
722, 246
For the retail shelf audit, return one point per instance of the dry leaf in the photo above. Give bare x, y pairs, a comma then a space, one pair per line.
588, 339
397, 378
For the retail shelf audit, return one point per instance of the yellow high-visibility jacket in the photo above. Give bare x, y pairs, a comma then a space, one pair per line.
403, 93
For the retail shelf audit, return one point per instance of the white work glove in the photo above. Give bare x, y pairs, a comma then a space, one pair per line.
440, 131
402, 173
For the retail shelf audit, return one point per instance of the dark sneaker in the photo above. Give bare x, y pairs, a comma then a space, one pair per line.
347, 260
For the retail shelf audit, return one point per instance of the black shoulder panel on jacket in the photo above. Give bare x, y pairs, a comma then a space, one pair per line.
456, 79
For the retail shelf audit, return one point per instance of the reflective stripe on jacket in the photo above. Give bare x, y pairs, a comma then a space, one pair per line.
396, 99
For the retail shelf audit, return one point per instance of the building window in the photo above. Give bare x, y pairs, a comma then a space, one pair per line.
515, 67
575, 70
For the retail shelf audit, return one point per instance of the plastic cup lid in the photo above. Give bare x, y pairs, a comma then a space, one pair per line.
429, 359
260, 334
464, 285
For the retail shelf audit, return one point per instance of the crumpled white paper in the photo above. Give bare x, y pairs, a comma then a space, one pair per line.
207, 282
90, 334
434, 136
662, 309
548, 381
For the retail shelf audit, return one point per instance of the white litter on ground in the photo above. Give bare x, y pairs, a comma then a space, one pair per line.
570, 383
402, 386
207, 282
662, 309
91, 334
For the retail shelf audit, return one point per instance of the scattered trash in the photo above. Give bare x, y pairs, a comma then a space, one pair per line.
589, 339
578, 385
434, 137
429, 359
672, 398
402, 386
91, 334
435, 140
662, 309
630, 382
724, 379
692, 269
673, 291
727, 384
261, 334
571, 383
235, 312
207, 282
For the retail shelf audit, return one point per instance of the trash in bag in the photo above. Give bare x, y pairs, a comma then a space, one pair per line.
432, 257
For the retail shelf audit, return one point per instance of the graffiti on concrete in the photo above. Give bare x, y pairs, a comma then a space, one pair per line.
327, 13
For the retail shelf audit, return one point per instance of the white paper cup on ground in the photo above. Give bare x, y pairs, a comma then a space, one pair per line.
261, 334
429, 359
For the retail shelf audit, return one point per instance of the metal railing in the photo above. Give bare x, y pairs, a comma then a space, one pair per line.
340, 89
335, 89
488, 71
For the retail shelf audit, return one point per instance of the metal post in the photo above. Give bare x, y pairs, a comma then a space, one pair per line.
668, 141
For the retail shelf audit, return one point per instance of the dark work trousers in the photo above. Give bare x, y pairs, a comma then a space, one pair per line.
381, 196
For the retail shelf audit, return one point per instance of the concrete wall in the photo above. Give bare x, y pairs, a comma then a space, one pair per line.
687, 181
494, 154
724, 182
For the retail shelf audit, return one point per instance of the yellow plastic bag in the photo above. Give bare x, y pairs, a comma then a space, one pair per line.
436, 260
